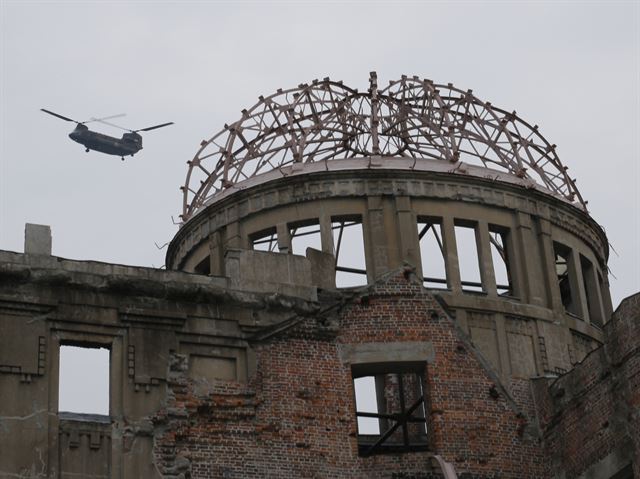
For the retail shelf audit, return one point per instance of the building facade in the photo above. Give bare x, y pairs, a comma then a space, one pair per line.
402, 282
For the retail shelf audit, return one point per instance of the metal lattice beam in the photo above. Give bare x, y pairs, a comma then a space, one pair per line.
410, 118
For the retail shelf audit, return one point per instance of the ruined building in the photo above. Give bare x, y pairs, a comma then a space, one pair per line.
402, 282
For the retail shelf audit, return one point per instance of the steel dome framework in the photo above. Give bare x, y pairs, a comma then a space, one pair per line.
410, 118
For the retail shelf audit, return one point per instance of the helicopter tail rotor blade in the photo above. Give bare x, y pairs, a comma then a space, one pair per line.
154, 127
105, 118
59, 116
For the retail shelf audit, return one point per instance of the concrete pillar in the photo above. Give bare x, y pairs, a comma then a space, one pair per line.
326, 234
37, 239
605, 294
576, 282
594, 299
53, 388
451, 255
378, 260
117, 381
487, 273
232, 236
529, 256
554, 299
409, 247
284, 238
216, 254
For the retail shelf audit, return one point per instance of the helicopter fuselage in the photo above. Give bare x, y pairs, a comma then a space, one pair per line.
129, 144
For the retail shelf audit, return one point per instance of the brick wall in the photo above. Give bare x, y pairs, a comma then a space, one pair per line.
592, 413
296, 416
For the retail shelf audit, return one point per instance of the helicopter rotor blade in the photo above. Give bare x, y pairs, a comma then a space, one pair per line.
153, 127
59, 116
101, 120
105, 118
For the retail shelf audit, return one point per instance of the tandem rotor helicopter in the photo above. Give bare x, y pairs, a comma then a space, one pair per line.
129, 144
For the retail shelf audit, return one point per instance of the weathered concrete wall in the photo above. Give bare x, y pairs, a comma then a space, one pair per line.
144, 317
591, 415
390, 204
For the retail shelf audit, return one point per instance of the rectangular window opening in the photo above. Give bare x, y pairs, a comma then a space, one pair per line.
390, 409
567, 293
434, 273
348, 241
468, 259
266, 240
83, 385
305, 235
500, 258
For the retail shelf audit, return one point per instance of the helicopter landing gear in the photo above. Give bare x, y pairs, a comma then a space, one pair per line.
122, 158
87, 150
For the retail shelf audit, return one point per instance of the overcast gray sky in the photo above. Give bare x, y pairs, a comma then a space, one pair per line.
570, 67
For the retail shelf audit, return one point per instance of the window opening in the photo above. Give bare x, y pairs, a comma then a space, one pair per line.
567, 294
204, 266
305, 236
434, 273
591, 290
83, 385
468, 259
500, 259
348, 241
265, 241
390, 410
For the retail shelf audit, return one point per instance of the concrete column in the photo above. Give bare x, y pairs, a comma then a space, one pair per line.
284, 238
376, 233
216, 254
52, 379
451, 255
326, 234
549, 261
487, 273
594, 299
232, 236
409, 248
529, 256
117, 381
576, 281
605, 294
514, 268
37, 239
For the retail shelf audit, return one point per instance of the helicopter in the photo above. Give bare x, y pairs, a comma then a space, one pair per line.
129, 144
